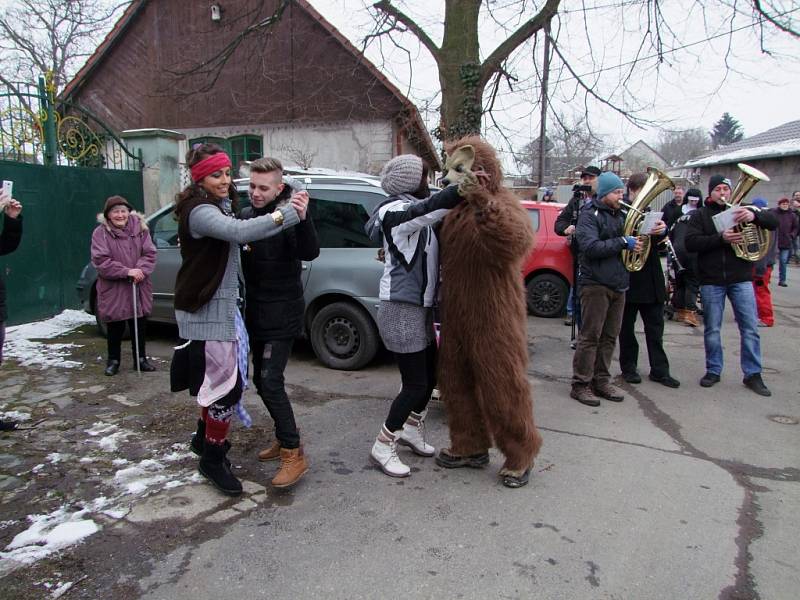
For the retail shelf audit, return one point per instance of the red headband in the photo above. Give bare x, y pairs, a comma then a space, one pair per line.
207, 166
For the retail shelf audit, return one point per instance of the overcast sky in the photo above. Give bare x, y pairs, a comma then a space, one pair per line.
697, 82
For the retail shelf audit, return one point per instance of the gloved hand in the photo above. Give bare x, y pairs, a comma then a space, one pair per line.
631, 241
468, 184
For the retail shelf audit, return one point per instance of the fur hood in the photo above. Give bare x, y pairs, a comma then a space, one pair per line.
136, 221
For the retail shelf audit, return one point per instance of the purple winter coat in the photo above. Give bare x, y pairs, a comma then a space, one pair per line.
114, 252
787, 227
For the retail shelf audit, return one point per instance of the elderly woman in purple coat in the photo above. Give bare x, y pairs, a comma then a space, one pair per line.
122, 252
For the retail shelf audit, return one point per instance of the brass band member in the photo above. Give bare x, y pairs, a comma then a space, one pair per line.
723, 274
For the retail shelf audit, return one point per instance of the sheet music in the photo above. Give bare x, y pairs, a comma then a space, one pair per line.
724, 220
650, 220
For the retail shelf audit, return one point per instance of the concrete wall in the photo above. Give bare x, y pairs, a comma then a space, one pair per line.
362, 146
161, 176
784, 174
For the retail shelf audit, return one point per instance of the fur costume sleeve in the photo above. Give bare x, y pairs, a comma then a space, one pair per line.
500, 226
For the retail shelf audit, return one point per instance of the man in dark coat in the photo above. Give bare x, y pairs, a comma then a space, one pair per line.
9, 241
567, 221
602, 283
274, 309
645, 296
787, 231
724, 275
674, 208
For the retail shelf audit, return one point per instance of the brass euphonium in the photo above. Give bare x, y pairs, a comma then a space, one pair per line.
756, 240
656, 183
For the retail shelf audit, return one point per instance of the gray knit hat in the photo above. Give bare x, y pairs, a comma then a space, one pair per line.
402, 174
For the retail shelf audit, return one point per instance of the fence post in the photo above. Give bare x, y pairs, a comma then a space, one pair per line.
47, 110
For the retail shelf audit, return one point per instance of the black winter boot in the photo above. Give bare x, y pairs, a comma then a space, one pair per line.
145, 366
199, 441
215, 467
112, 367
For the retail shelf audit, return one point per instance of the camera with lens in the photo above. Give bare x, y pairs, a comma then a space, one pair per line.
581, 189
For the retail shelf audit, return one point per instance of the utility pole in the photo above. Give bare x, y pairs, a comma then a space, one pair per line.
543, 120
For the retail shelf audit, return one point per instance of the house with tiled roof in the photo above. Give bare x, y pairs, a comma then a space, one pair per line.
775, 152
294, 88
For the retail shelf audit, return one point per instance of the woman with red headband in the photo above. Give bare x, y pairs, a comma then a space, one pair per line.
212, 364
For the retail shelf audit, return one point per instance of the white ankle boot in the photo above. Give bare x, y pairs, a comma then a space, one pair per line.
413, 435
384, 454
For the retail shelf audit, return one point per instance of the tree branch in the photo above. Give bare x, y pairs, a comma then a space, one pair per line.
524, 32
386, 7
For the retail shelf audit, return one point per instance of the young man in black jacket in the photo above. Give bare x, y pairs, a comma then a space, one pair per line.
274, 310
602, 283
646, 297
723, 274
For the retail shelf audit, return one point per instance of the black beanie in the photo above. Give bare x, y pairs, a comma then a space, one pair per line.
716, 180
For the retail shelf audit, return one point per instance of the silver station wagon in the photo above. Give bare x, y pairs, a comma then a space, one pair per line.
340, 286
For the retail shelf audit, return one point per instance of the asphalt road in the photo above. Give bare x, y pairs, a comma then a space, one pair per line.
687, 493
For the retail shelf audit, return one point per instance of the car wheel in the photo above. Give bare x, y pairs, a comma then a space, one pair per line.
547, 295
343, 337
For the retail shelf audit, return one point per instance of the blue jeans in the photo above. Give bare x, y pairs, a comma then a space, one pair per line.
743, 301
785, 254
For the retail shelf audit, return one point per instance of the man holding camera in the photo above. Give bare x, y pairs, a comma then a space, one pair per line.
566, 223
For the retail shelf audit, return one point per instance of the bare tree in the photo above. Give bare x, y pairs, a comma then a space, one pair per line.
299, 152
55, 36
570, 143
679, 146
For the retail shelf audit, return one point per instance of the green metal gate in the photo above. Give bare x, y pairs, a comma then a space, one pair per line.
64, 163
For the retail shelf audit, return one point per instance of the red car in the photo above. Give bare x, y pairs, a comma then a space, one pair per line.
548, 269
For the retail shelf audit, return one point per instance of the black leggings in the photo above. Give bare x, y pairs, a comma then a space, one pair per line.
418, 373
116, 329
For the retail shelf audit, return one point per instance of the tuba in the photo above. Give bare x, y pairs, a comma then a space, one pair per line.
756, 239
656, 183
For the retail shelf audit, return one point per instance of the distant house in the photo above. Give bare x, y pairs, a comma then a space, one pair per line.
297, 90
775, 152
634, 159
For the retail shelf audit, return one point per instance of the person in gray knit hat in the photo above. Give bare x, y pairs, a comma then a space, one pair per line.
404, 223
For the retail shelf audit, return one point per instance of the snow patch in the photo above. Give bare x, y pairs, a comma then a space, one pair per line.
61, 589
786, 147
20, 342
47, 534
54, 457
15, 415
138, 478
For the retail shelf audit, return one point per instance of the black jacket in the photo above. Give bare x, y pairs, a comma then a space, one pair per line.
647, 286
272, 269
9, 240
677, 235
672, 212
600, 241
716, 262
569, 216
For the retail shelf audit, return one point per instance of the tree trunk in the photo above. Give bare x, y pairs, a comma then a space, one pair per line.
459, 70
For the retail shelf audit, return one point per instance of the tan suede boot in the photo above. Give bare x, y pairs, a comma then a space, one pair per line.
293, 467
691, 319
271, 453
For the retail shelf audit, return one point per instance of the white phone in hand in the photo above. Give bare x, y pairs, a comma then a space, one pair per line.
8, 187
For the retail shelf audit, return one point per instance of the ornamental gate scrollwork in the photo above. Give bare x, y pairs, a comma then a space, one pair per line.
37, 127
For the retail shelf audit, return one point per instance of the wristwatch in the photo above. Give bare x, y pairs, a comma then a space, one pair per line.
277, 216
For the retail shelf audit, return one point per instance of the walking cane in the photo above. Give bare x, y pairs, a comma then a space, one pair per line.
136, 326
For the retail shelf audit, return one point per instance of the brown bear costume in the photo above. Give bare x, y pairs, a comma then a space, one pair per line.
483, 355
